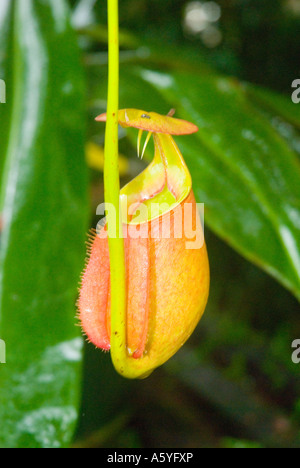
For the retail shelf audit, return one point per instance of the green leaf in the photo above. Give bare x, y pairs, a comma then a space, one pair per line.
246, 173
283, 114
5, 74
276, 103
243, 169
44, 214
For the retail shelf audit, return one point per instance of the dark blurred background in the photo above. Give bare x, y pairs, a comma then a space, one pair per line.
234, 384
256, 40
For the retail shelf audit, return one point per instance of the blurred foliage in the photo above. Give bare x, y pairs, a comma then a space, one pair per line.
260, 39
234, 384
44, 211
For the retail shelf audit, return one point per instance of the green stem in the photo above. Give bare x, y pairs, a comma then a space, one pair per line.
112, 197
125, 365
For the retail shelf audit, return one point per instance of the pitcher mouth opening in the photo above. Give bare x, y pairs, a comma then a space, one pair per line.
164, 184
